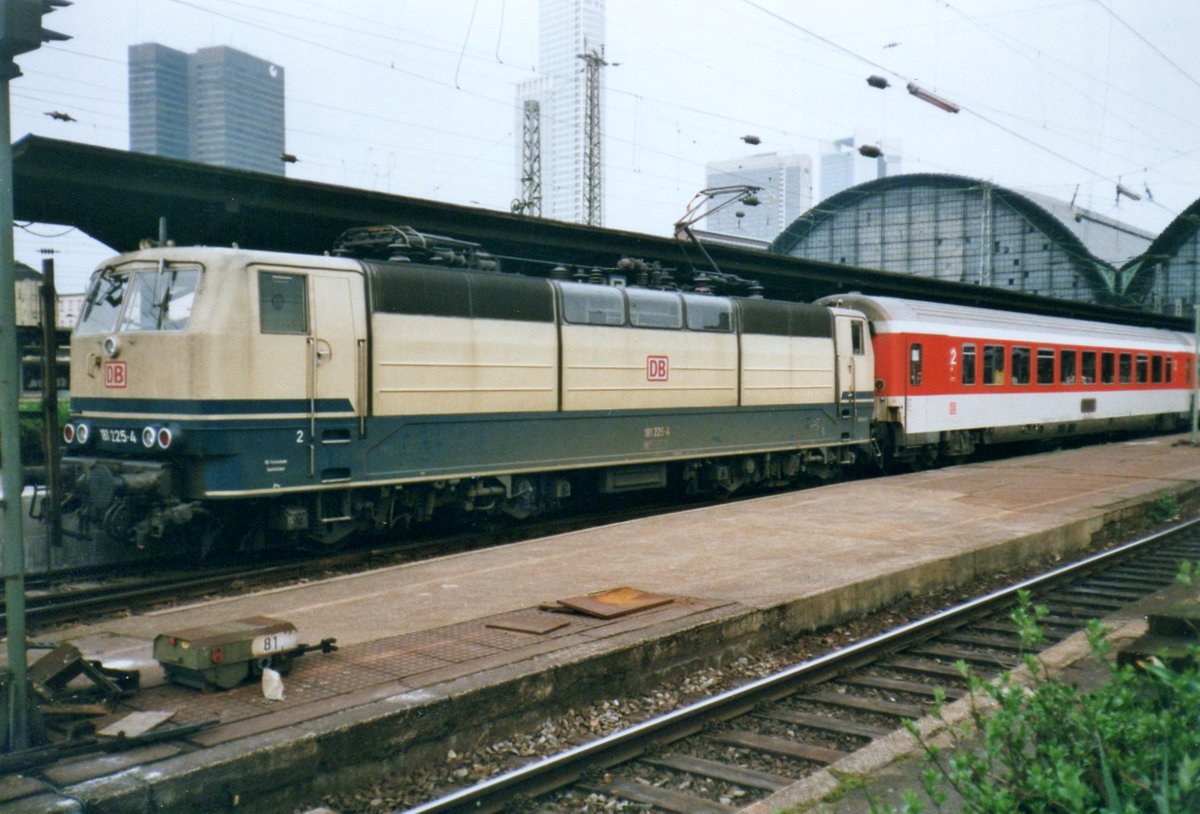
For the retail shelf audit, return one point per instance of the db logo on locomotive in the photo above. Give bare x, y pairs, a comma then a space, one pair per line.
657, 368
116, 375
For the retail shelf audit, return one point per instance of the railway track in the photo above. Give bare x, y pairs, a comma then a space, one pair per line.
724, 752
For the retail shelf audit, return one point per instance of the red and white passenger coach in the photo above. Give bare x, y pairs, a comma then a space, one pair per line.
948, 378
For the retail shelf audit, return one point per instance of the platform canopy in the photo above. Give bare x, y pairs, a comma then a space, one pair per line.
118, 197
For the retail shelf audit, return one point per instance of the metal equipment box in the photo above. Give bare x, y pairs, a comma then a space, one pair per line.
226, 653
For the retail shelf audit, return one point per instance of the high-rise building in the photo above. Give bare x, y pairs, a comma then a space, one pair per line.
787, 193
158, 100
843, 166
567, 29
217, 106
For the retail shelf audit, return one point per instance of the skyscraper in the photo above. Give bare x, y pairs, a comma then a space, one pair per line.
566, 29
842, 166
787, 193
217, 105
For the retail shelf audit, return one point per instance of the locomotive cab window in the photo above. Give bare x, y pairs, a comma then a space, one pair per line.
282, 303
1020, 365
968, 364
153, 299
1108, 368
708, 313
1066, 366
993, 364
914, 364
586, 304
857, 346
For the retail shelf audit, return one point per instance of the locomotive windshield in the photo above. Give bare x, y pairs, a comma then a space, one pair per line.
152, 300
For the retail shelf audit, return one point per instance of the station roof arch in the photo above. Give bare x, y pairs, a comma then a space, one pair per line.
1167, 275
804, 236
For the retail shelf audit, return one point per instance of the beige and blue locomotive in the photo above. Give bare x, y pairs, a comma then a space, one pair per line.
223, 396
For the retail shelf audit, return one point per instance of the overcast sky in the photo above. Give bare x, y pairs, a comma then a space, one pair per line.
416, 97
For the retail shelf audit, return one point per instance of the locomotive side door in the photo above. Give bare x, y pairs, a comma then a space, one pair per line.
337, 364
855, 369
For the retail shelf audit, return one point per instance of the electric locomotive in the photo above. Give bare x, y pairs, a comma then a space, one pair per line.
226, 398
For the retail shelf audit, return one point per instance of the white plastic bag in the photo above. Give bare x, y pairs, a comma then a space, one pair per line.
272, 685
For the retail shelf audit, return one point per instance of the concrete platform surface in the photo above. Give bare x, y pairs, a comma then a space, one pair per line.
426, 653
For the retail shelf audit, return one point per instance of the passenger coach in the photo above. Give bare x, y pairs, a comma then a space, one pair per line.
950, 378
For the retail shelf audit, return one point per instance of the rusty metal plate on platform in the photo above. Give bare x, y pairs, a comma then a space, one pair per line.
614, 603
136, 723
533, 622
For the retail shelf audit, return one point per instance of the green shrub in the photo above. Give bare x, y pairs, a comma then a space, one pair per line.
1129, 747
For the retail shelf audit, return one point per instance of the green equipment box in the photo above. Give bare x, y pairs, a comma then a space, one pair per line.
227, 653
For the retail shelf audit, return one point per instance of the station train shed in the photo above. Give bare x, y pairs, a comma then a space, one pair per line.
120, 198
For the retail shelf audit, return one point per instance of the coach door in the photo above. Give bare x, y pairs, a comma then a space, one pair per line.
337, 360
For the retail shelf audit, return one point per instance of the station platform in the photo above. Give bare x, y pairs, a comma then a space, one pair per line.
461, 645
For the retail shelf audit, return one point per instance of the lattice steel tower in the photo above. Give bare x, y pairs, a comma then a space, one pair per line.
593, 201
530, 202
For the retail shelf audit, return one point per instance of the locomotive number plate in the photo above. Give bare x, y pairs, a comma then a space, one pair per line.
108, 436
273, 643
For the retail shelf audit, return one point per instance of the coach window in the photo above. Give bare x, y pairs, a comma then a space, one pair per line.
1126, 368
1108, 368
1170, 364
1045, 366
1066, 366
1156, 375
587, 304
1020, 365
708, 313
1088, 367
993, 364
282, 303
1143, 368
654, 309
914, 364
968, 364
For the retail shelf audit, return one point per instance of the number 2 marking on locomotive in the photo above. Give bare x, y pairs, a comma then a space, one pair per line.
299, 436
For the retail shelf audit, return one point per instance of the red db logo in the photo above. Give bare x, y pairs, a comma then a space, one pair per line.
657, 369
115, 375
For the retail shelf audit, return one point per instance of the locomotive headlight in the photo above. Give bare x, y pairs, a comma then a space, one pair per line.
165, 437
69, 433
148, 436
81, 433
112, 346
